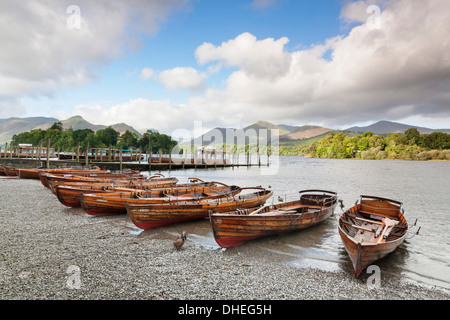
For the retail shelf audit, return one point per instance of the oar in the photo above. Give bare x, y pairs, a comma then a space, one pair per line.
259, 210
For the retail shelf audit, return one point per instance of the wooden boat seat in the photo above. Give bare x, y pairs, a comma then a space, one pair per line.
280, 212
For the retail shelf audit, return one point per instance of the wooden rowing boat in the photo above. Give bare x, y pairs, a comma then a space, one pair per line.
46, 178
43, 173
115, 203
233, 228
134, 183
372, 229
155, 215
70, 195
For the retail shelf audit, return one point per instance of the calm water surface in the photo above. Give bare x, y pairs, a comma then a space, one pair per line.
423, 187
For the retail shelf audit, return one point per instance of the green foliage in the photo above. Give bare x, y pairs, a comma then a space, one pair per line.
156, 141
67, 140
408, 146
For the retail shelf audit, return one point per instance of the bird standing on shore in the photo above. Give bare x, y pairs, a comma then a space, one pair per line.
178, 243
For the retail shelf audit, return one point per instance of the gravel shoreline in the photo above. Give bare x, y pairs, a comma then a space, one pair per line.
48, 251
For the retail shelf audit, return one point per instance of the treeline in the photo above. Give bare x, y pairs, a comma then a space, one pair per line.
67, 140
411, 145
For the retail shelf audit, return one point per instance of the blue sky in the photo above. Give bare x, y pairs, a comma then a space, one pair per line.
305, 23
228, 63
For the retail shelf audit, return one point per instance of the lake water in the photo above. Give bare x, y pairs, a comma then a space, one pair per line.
423, 187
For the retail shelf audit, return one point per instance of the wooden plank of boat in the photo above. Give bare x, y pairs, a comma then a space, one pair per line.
10, 172
233, 228
24, 173
371, 230
155, 215
115, 203
70, 195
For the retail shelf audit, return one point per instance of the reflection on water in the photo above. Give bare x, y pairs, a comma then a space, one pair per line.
421, 186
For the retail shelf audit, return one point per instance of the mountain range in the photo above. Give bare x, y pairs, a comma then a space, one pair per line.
287, 133
386, 127
12, 126
292, 134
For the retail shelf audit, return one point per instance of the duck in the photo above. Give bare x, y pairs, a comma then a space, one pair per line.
178, 243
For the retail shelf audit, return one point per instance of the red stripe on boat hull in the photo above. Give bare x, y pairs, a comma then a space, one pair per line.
158, 223
234, 241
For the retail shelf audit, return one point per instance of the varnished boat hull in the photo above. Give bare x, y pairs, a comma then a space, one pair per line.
152, 216
98, 204
28, 173
10, 172
231, 232
98, 177
363, 253
163, 216
232, 229
363, 256
70, 195
44, 177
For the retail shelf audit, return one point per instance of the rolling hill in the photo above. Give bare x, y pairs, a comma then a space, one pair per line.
251, 133
386, 127
12, 126
305, 132
286, 133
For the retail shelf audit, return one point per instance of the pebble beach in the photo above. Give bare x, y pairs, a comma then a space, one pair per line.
52, 252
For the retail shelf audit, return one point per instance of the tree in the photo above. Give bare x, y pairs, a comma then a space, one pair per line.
108, 136
57, 126
377, 141
436, 141
157, 141
128, 140
412, 136
81, 136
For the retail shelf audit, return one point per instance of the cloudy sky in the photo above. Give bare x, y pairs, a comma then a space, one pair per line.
166, 64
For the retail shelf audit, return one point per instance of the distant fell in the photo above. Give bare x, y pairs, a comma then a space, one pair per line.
386, 127
305, 132
79, 123
11, 126
269, 126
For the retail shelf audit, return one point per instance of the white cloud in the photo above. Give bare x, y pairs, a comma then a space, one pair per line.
182, 78
357, 11
263, 58
399, 71
40, 54
146, 73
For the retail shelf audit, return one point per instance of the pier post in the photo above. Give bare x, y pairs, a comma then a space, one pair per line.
149, 159
86, 157
120, 159
48, 153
